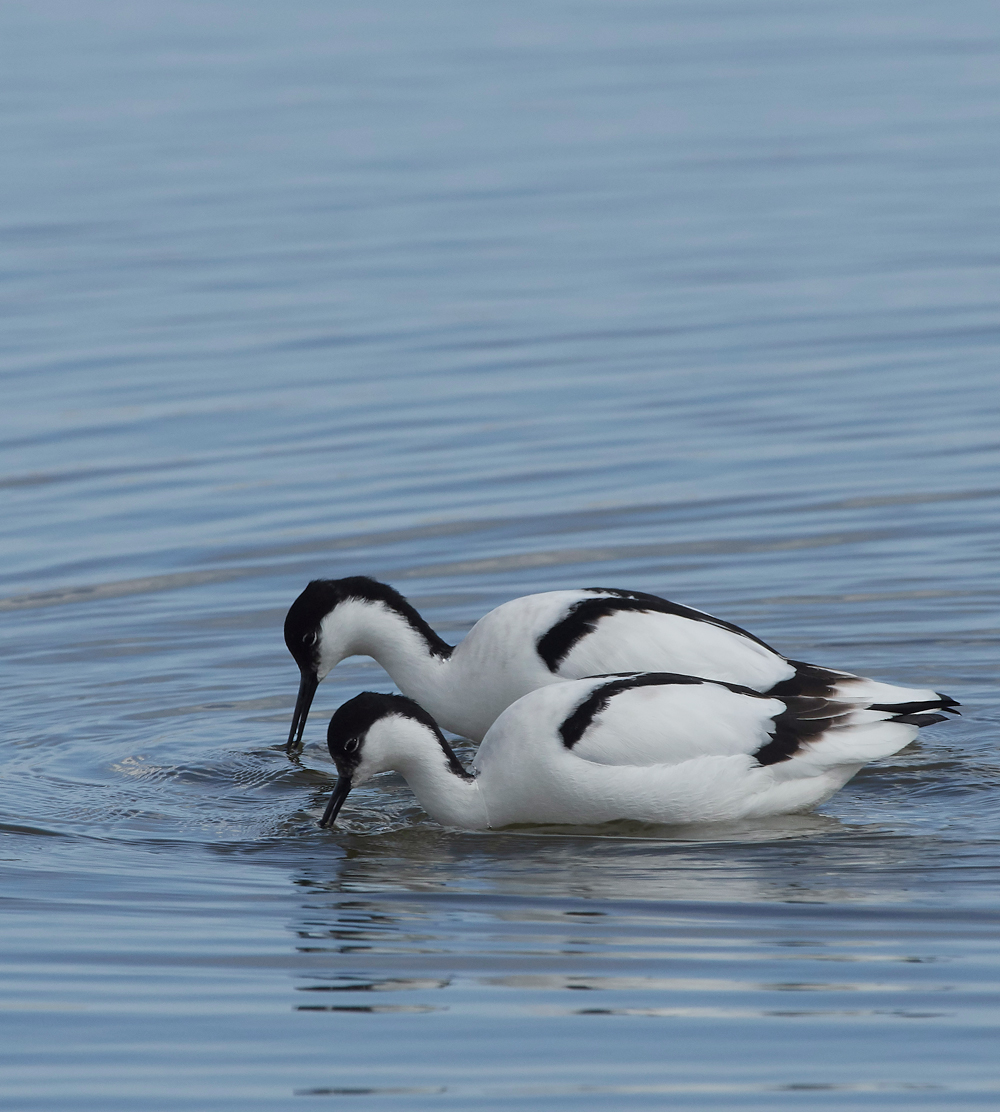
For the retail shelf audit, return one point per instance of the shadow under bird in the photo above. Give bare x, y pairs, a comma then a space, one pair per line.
648, 747
544, 639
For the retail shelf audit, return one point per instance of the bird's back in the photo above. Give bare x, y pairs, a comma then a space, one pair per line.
545, 638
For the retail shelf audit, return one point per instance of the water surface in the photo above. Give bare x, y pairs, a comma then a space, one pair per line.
692, 299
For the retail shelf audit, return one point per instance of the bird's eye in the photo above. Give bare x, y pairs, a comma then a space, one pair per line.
351, 745
310, 639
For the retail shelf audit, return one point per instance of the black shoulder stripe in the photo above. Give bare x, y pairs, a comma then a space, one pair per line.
803, 718
583, 617
576, 725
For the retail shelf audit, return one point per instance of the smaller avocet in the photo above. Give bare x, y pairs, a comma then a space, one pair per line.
650, 747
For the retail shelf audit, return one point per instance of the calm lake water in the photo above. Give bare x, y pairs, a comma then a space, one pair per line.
697, 299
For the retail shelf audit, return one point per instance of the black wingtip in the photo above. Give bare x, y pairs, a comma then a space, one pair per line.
942, 702
804, 718
948, 703
919, 719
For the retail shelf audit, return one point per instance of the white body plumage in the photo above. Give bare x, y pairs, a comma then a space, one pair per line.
540, 640
644, 747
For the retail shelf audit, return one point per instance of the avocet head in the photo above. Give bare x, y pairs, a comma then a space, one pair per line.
369, 734
326, 623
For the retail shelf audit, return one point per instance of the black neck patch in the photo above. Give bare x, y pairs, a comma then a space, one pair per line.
323, 595
577, 724
583, 618
355, 718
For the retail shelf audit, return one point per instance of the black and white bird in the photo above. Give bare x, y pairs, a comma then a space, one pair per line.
544, 639
650, 746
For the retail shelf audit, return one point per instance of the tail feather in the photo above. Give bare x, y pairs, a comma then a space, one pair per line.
814, 734
812, 680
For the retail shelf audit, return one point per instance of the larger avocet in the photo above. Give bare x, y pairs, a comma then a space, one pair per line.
650, 747
543, 639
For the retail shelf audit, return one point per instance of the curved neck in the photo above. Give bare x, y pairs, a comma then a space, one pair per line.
448, 798
403, 643
425, 760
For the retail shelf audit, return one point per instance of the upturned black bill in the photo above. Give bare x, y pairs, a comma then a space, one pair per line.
340, 793
307, 689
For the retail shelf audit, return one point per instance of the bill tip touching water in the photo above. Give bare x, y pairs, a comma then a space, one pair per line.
648, 747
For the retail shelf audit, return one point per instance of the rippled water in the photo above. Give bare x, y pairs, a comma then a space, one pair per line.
485, 300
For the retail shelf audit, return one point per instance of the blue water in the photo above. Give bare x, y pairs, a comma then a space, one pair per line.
483, 300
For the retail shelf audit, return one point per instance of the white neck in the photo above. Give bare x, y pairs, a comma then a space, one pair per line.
359, 627
411, 749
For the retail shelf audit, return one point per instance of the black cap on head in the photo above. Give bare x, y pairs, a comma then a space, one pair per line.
302, 638
352, 720
304, 616
307, 612
302, 633
346, 733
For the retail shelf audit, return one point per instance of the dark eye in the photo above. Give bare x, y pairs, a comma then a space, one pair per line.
351, 745
310, 638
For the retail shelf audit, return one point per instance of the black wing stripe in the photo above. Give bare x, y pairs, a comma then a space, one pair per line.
583, 617
577, 723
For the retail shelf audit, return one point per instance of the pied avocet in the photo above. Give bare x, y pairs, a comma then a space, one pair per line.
651, 747
544, 639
